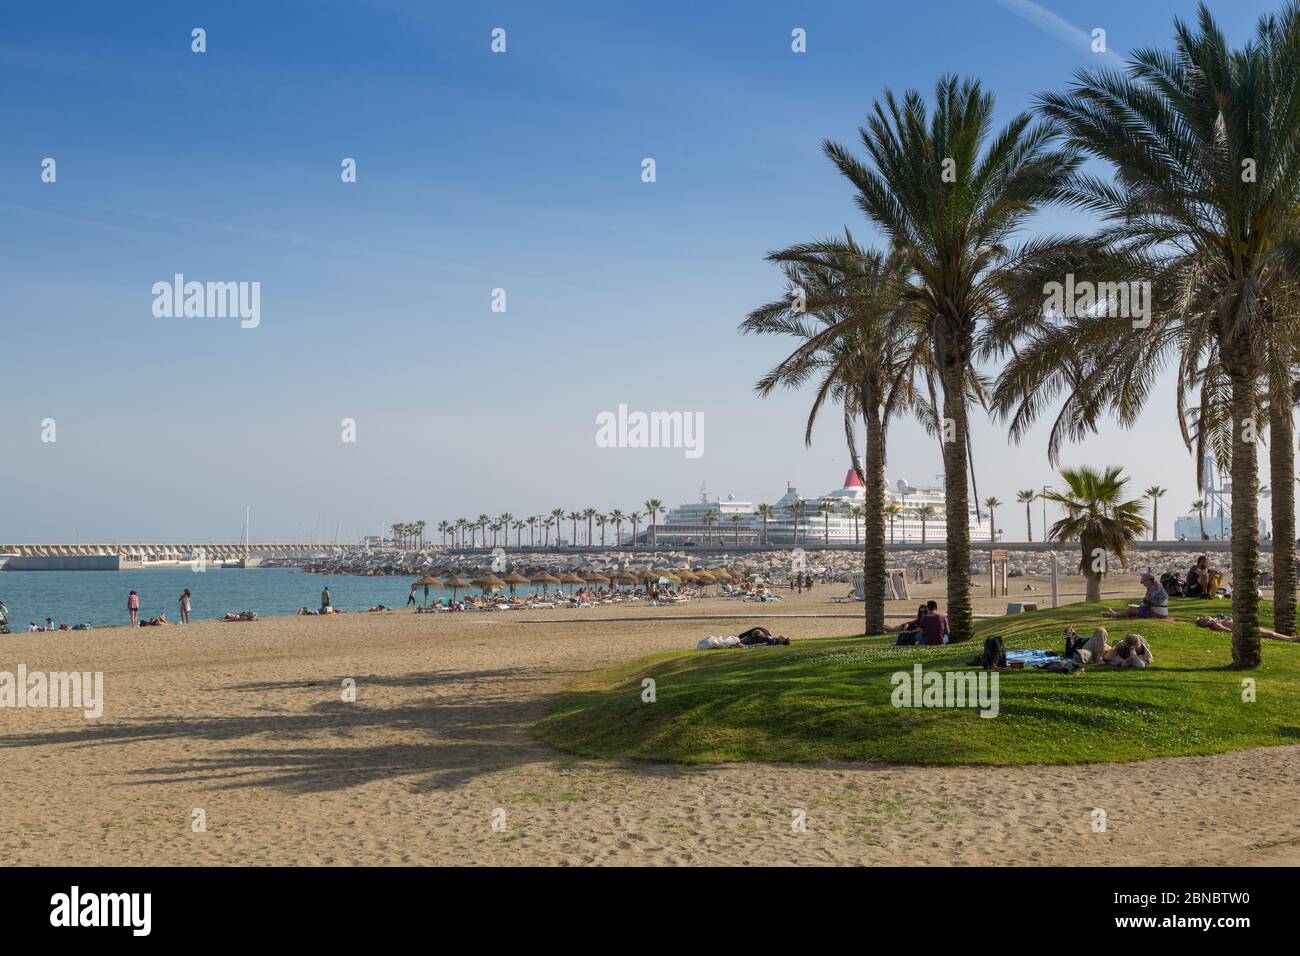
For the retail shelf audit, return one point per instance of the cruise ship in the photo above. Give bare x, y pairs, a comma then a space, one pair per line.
832, 518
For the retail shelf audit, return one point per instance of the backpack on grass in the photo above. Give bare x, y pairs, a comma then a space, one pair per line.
995, 654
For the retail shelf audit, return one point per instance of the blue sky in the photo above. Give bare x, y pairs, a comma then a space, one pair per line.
476, 171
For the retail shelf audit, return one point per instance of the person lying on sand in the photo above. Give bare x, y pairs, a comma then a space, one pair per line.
379, 607
1155, 604
241, 616
1223, 624
155, 621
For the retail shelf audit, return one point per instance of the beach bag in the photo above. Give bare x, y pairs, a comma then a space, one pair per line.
1172, 584
906, 639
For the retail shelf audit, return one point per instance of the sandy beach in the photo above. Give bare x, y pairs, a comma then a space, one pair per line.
246, 722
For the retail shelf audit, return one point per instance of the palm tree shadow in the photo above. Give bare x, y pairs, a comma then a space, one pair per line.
435, 744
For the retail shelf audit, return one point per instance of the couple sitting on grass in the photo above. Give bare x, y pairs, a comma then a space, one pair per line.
928, 627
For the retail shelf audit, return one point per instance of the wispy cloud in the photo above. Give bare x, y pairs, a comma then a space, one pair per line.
1060, 28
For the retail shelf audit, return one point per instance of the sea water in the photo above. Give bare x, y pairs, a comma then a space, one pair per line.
99, 598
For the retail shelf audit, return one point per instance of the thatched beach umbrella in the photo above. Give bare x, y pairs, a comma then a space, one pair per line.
595, 577
489, 582
545, 579
456, 583
514, 578
570, 578
427, 581
722, 574
704, 577
686, 575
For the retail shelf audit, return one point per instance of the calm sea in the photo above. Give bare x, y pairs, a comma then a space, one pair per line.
99, 597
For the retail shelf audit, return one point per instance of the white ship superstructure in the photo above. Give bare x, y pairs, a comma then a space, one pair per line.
913, 516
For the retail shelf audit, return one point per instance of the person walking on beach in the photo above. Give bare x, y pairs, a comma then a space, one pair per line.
133, 608
185, 607
325, 601
410, 598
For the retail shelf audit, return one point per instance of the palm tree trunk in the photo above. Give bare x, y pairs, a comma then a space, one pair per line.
873, 549
1245, 520
956, 488
1281, 467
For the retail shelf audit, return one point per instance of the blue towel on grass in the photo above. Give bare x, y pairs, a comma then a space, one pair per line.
1032, 658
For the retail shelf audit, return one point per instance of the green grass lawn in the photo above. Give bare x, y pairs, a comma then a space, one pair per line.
829, 699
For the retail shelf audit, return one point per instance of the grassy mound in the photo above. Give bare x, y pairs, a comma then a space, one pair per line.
830, 699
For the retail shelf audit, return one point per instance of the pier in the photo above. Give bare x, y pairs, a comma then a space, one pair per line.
123, 557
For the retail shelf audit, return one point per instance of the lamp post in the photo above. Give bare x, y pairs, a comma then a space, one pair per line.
1043, 498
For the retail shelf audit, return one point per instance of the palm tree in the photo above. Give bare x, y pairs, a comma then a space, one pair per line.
826, 509
795, 509
925, 513
483, 522
860, 350
635, 517
519, 532
574, 517
617, 517
736, 521
601, 520
1199, 506
506, 519
949, 197
589, 514
1027, 498
396, 529
1098, 518
1155, 493
652, 508
443, 528
993, 504
532, 531
767, 513
893, 510
857, 511
710, 519
1205, 142
495, 528
557, 515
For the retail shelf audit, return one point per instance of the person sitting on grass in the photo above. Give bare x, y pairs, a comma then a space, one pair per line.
1223, 624
1132, 651
1203, 579
915, 623
1155, 604
934, 626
